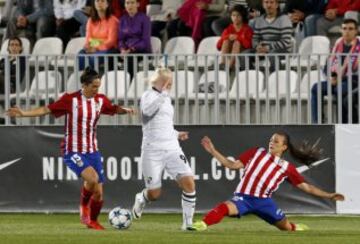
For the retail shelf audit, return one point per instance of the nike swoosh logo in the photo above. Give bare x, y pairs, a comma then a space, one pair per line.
7, 164
50, 135
304, 168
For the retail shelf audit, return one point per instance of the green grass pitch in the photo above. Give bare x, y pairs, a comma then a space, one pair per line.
165, 228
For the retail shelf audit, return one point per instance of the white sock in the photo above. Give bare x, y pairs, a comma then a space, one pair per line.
188, 202
145, 195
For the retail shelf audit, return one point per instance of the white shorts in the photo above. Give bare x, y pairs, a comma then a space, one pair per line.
154, 162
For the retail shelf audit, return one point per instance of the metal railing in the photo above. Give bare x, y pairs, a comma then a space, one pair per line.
269, 89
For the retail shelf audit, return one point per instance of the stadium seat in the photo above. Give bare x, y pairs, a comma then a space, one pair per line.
309, 79
71, 50
48, 46
279, 81
183, 46
183, 84
25, 43
114, 84
141, 81
311, 46
73, 82
207, 47
247, 84
152, 9
156, 45
45, 82
207, 85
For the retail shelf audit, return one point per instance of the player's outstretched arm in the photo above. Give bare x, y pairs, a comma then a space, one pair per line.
17, 112
122, 110
313, 190
210, 148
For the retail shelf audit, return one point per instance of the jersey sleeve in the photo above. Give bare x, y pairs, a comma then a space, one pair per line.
108, 107
294, 177
61, 106
246, 156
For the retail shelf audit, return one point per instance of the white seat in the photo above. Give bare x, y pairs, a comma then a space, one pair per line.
207, 47
72, 49
48, 46
152, 9
73, 83
311, 46
181, 46
247, 84
25, 44
141, 80
209, 79
183, 84
156, 45
114, 84
45, 82
279, 81
307, 82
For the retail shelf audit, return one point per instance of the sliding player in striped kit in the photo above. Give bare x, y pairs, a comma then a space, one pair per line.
80, 148
161, 150
264, 171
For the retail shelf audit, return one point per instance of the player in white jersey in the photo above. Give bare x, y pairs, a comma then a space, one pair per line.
160, 148
264, 171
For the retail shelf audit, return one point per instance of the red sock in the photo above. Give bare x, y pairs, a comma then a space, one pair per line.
85, 196
216, 214
95, 207
293, 226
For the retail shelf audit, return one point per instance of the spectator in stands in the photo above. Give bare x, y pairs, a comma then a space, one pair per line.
316, 9
15, 48
254, 8
272, 33
334, 13
195, 19
134, 33
7, 12
167, 14
82, 15
342, 67
66, 24
236, 37
101, 33
117, 7
33, 19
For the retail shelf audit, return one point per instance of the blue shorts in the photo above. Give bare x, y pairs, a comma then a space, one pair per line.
264, 208
77, 162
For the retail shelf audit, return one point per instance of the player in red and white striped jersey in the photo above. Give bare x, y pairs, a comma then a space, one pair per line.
82, 110
264, 171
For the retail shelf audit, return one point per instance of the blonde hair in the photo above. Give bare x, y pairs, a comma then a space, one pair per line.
160, 74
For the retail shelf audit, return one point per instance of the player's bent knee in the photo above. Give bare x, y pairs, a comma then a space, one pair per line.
187, 183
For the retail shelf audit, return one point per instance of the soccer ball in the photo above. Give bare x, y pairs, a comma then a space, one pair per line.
120, 218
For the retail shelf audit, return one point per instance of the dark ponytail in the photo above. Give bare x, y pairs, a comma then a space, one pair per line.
306, 153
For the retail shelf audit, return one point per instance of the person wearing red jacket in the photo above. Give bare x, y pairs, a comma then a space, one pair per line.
334, 14
236, 37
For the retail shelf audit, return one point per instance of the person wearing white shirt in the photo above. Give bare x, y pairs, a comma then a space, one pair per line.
66, 25
160, 20
160, 148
